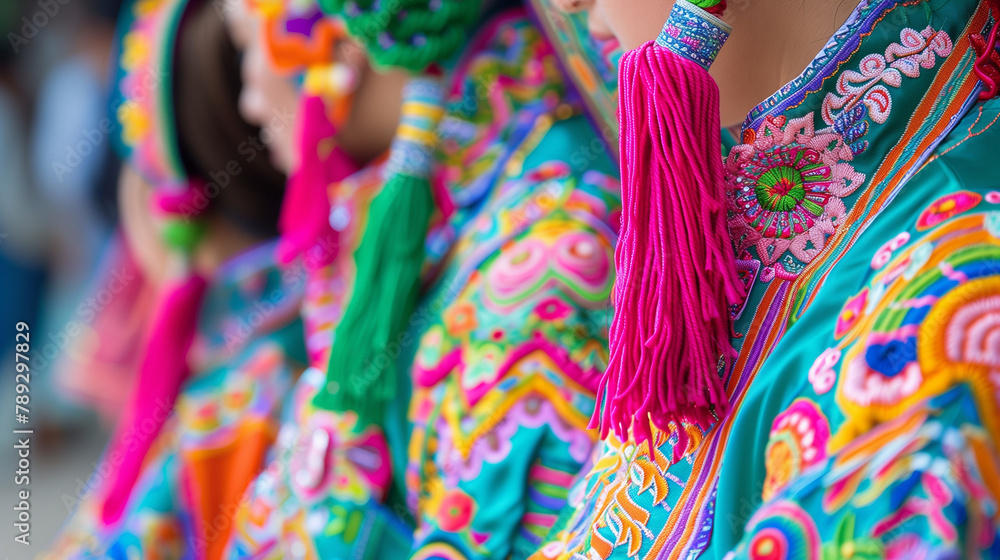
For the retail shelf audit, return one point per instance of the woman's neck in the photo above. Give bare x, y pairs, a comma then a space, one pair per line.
772, 42
371, 126
223, 240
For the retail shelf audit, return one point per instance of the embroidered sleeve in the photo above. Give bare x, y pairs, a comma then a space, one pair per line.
321, 495
924, 485
505, 382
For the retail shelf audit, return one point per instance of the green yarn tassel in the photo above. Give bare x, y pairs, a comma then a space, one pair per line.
362, 372
362, 376
715, 7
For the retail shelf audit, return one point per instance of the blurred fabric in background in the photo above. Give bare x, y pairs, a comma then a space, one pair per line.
63, 270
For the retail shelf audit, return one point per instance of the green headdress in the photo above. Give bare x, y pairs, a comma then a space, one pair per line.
418, 36
410, 34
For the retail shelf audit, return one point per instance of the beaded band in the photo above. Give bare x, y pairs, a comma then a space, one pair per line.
411, 34
694, 34
413, 147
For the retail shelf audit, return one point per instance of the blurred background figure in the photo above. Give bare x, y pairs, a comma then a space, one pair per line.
23, 239
57, 218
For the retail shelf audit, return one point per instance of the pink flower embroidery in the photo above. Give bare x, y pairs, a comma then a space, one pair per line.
821, 374
947, 207
909, 547
884, 254
867, 85
785, 188
461, 318
455, 511
797, 441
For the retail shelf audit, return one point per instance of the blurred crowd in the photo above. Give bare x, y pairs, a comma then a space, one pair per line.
57, 201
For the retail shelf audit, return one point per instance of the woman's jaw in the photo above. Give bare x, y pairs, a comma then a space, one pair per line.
770, 44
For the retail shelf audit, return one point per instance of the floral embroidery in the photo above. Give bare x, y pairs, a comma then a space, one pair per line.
224, 422
747, 269
627, 473
787, 180
851, 314
790, 189
938, 497
782, 530
797, 441
926, 465
947, 207
884, 254
460, 319
785, 189
486, 361
915, 50
847, 546
506, 374
933, 313
455, 511
821, 374
438, 551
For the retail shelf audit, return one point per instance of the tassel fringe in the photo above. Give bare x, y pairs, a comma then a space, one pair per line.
305, 214
674, 259
164, 369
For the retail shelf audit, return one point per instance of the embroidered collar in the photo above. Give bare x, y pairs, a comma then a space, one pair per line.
819, 160
823, 155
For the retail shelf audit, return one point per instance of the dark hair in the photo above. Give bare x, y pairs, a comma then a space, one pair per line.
106, 10
210, 130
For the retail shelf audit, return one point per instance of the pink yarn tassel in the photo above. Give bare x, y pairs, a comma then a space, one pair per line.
305, 214
164, 369
676, 275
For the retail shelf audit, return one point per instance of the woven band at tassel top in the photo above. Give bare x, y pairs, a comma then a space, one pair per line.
412, 151
694, 34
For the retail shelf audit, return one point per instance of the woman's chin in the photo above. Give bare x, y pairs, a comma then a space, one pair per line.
280, 159
601, 35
